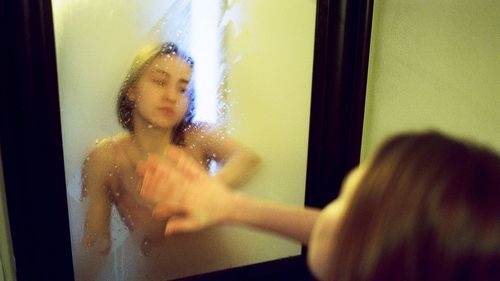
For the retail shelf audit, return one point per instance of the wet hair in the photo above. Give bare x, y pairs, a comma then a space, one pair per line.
427, 208
125, 106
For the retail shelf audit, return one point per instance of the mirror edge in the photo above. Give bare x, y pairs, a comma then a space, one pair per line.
338, 100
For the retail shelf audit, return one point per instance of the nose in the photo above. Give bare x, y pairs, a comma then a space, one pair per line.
170, 94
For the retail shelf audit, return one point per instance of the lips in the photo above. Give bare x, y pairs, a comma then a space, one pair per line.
167, 110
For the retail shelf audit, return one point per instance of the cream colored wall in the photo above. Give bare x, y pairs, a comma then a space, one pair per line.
434, 64
270, 68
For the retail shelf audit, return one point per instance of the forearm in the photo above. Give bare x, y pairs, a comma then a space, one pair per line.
96, 229
290, 221
239, 168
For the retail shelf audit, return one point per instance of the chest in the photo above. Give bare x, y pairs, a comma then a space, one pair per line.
125, 180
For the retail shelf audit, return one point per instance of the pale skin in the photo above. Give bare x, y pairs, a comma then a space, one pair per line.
180, 189
109, 173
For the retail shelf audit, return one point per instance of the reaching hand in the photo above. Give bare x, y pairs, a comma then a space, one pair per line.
183, 191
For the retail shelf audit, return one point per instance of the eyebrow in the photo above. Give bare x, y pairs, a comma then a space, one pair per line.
161, 71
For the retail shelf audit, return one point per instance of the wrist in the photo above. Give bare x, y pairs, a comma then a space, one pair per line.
232, 205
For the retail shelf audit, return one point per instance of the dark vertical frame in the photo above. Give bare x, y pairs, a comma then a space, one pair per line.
339, 82
31, 141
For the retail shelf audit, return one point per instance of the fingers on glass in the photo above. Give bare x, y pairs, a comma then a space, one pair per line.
184, 163
147, 169
156, 172
141, 168
166, 209
180, 225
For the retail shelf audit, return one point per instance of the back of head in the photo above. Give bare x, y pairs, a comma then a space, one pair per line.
426, 209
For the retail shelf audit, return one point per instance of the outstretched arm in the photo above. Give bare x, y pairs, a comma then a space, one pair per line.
184, 192
290, 221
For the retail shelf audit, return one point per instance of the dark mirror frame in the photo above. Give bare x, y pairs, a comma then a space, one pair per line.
31, 142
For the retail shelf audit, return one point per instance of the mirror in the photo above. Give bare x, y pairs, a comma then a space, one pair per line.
253, 76
32, 150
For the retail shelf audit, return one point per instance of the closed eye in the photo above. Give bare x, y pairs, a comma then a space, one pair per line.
160, 82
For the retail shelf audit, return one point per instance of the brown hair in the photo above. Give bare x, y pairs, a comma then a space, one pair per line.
125, 106
427, 208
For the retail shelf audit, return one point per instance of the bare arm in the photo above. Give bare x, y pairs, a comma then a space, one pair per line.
95, 241
291, 221
95, 174
181, 188
239, 162
323, 240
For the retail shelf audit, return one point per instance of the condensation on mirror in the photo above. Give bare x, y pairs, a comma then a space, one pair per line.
252, 77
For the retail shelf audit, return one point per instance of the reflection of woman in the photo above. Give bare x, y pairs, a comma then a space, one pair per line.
424, 208
156, 107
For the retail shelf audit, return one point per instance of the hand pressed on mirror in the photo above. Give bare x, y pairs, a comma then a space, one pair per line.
183, 192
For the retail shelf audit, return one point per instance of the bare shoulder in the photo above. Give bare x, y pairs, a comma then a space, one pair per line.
200, 127
201, 131
104, 153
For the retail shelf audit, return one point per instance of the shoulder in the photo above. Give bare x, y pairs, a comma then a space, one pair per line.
104, 153
323, 239
198, 127
200, 131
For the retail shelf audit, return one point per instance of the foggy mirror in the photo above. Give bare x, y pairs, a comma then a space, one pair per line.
217, 76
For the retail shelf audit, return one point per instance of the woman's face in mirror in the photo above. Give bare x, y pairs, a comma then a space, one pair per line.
160, 93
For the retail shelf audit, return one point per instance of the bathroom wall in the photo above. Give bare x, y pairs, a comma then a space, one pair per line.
434, 64
269, 63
